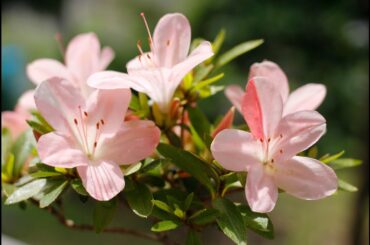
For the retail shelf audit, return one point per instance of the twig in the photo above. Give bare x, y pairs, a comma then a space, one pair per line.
84, 227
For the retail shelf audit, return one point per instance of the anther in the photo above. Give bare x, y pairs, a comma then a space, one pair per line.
147, 55
75, 121
261, 140
85, 113
281, 136
272, 160
168, 43
268, 140
97, 125
95, 144
102, 121
281, 151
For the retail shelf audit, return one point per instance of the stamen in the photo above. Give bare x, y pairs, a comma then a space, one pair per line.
138, 44
147, 29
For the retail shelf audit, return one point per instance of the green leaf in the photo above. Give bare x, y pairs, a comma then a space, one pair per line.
345, 186
104, 213
38, 127
219, 40
230, 221
188, 201
230, 181
151, 165
132, 169
190, 163
22, 149
207, 82
237, 51
42, 121
53, 194
78, 187
193, 238
258, 222
8, 189
134, 103
204, 216
9, 166
26, 191
344, 163
163, 206
165, 225
328, 159
43, 174
202, 71
199, 121
140, 200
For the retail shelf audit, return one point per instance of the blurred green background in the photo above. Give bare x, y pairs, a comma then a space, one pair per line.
313, 41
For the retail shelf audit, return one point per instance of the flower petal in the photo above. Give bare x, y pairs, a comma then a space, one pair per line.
15, 121
236, 150
273, 73
58, 102
260, 190
108, 109
103, 180
262, 107
235, 94
59, 150
43, 69
305, 178
26, 102
297, 132
114, 80
171, 39
106, 57
197, 56
135, 141
307, 97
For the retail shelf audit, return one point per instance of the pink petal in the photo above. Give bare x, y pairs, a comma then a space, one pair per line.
102, 180
226, 122
307, 97
298, 131
171, 39
305, 178
58, 101
26, 102
15, 122
197, 56
43, 69
106, 57
262, 107
236, 150
113, 80
108, 109
273, 73
260, 190
235, 94
59, 150
135, 141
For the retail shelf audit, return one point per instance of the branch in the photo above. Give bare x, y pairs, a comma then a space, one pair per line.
84, 227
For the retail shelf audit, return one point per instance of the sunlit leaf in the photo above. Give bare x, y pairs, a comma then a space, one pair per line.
344, 163
258, 222
345, 186
165, 225
52, 194
140, 200
26, 191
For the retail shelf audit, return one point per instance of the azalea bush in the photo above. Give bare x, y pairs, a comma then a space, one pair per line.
138, 138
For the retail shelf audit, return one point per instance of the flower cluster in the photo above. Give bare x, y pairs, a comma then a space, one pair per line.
95, 134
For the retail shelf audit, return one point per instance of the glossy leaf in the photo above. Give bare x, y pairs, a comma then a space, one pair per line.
133, 168
22, 149
237, 51
104, 213
231, 221
189, 163
163, 206
78, 187
44, 174
258, 222
26, 191
328, 159
165, 225
53, 194
140, 200
204, 216
345, 186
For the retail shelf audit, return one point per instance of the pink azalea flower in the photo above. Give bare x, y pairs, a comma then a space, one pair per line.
159, 72
268, 153
83, 57
307, 97
91, 134
15, 120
